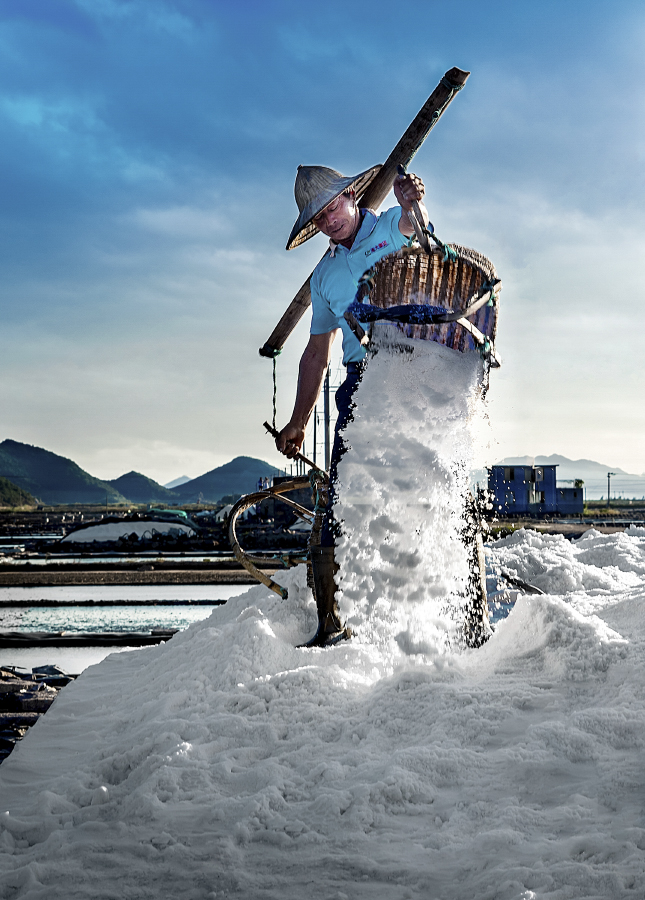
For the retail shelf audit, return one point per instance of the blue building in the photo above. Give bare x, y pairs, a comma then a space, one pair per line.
532, 491
571, 501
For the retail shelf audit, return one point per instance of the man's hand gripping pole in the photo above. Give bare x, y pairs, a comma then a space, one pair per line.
276, 434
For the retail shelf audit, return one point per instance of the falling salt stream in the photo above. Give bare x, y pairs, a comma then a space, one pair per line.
401, 496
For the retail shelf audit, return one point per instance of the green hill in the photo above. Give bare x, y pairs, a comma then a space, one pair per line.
140, 489
12, 495
55, 479
240, 476
52, 478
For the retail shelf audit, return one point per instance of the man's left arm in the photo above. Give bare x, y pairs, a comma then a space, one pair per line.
407, 189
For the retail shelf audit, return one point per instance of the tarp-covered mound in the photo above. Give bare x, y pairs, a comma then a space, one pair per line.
227, 763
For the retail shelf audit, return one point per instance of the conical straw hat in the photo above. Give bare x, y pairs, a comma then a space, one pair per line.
315, 188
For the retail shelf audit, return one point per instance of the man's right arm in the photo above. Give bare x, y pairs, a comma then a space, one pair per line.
313, 366
407, 189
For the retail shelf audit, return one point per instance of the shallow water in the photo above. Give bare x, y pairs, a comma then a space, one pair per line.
97, 619
143, 617
141, 593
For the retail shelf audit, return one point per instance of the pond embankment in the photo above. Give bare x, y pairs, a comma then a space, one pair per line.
44, 577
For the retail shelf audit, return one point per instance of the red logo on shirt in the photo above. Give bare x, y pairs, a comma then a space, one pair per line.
374, 249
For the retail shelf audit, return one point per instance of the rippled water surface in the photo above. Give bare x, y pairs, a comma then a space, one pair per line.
22, 615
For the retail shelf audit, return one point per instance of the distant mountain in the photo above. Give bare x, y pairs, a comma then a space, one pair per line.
55, 479
173, 484
140, 489
240, 476
567, 468
516, 461
12, 495
52, 478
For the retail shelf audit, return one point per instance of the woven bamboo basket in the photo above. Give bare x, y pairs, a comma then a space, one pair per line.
411, 276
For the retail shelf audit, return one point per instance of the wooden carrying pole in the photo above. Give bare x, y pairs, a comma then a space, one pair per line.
415, 135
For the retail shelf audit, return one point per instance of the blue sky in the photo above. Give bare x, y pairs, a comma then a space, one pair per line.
148, 151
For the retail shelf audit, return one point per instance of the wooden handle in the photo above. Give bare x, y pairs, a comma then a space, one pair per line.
294, 312
415, 135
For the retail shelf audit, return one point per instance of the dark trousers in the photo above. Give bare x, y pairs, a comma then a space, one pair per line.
344, 404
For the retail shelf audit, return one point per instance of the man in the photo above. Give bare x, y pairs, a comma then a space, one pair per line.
357, 240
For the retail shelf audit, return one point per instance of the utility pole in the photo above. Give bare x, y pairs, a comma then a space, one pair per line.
609, 474
327, 419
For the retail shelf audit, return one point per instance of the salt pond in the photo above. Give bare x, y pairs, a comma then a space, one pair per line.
23, 616
141, 593
97, 619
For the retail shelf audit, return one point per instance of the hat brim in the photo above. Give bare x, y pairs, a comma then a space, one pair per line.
305, 228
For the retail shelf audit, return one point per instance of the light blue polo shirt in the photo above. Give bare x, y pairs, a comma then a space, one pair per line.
335, 278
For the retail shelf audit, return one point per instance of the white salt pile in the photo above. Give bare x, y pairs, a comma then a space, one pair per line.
226, 763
